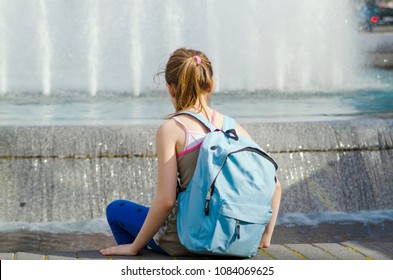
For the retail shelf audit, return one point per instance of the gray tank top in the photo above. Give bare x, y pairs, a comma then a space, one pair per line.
167, 237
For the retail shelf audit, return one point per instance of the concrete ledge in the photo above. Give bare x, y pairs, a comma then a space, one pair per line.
71, 173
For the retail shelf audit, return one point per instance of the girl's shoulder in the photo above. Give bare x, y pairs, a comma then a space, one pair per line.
169, 130
169, 126
219, 122
239, 128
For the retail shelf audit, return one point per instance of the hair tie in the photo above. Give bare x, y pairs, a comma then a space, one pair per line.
198, 59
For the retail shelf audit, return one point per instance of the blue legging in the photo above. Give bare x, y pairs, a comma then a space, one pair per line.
125, 219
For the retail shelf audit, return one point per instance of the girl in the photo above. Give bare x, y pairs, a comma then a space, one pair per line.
189, 79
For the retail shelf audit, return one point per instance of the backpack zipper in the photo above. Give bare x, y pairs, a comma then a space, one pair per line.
207, 202
259, 152
211, 189
237, 229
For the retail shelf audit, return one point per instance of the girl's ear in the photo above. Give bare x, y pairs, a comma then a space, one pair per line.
171, 90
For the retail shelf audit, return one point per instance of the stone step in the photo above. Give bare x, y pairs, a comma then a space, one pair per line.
314, 251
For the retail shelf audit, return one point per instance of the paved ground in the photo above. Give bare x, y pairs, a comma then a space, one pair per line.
314, 251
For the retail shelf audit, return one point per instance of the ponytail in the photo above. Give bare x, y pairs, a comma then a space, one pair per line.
190, 72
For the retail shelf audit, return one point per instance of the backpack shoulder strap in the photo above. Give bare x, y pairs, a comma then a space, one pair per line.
200, 118
229, 123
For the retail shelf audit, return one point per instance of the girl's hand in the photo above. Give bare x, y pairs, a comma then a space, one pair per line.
265, 241
123, 250
263, 244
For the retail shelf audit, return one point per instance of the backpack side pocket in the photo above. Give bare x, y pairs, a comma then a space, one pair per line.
239, 228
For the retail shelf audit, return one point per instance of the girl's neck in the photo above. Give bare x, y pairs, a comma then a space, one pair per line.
205, 110
203, 106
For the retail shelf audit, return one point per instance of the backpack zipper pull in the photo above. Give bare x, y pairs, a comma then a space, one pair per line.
237, 229
207, 206
207, 203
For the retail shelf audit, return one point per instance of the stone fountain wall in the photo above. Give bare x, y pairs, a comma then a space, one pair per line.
70, 173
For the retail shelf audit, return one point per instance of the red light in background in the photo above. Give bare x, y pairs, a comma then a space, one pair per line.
374, 19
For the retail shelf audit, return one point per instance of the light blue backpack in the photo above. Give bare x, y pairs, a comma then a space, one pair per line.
227, 204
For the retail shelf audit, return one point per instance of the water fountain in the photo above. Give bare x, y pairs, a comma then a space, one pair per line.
98, 46
269, 57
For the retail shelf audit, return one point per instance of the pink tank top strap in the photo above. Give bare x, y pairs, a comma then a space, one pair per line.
193, 138
176, 119
179, 122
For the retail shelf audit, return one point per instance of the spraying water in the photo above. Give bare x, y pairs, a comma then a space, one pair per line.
99, 46
136, 61
3, 51
93, 48
44, 48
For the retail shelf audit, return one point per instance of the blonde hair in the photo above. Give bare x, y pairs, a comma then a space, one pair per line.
190, 73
